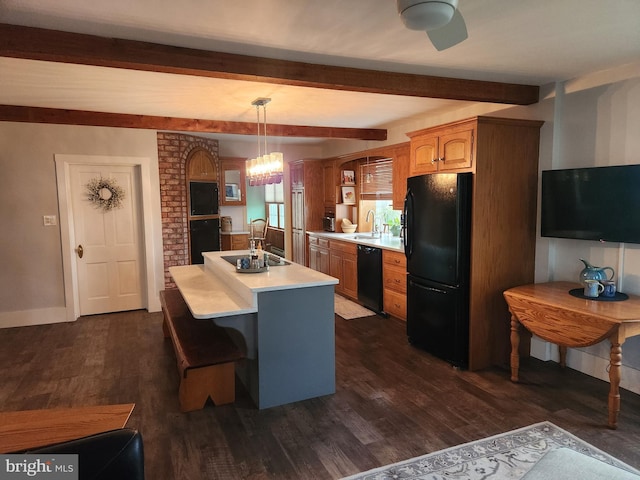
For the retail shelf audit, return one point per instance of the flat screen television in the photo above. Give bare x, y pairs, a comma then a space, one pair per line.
597, 203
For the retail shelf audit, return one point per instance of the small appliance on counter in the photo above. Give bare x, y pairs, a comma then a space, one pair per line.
329, 224
226, 224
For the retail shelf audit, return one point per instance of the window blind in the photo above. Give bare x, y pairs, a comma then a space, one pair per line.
376, 179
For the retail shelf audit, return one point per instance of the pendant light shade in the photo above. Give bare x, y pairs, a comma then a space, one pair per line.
266, 168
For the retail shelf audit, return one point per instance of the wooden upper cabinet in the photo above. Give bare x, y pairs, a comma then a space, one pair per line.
296, 174
233, 180
439, 149
401, 158
201, 165
330, 183
455, 150
424, 154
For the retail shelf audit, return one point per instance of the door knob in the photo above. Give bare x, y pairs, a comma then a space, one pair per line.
80, 251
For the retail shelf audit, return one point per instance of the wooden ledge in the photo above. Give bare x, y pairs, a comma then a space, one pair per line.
29, 429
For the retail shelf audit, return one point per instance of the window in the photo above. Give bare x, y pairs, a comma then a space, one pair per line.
376, 179
274, 204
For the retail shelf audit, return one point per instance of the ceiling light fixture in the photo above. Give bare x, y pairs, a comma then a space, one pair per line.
266, 168
426, 14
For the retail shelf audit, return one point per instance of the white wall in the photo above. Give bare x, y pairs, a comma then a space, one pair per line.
31, 278
596, 123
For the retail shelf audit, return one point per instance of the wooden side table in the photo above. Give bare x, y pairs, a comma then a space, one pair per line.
550, 312
29, 429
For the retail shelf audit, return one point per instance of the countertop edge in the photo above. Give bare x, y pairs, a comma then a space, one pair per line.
385, 242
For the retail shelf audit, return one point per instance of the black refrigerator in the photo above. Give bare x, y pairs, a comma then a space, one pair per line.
437, 237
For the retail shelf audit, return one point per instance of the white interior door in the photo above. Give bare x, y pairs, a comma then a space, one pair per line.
110, 269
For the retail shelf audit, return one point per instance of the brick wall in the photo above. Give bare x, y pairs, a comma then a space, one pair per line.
173, 151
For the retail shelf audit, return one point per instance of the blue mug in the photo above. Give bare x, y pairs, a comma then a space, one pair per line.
593, 288
609, 288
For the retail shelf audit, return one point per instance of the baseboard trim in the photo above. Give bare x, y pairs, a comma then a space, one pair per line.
587, 363
24, 318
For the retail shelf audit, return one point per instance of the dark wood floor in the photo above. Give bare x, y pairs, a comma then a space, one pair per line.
393, 401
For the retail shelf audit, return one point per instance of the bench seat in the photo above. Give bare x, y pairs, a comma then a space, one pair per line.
205, 354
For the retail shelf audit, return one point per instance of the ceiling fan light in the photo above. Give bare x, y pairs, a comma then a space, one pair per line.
426, 15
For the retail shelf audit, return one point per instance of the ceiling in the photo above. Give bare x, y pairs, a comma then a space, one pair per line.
531, 42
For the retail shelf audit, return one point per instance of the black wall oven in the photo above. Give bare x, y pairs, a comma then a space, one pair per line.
203, 198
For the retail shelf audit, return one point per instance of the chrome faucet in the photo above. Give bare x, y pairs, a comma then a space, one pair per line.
374, 228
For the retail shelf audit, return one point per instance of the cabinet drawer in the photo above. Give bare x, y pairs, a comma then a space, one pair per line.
395, 279
395, 303
323, 242
239, 242
396, 259
313, 240
345, 247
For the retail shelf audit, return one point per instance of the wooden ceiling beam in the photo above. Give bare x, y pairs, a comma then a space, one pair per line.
13, 113
57, 46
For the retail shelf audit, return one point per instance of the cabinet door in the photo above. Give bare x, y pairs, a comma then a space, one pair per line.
330, 184
350, 275
297, 226
313, 257
335, 269
424, 155
296, 174
456, 150
233, 180
323, 260
298, 250
401, 161
225, 242
201, 166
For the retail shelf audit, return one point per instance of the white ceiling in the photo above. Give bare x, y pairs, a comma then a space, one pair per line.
533, 42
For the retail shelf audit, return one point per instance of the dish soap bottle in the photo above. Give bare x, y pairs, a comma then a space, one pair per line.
260, 255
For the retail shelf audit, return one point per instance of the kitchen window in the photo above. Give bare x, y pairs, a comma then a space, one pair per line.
274, 204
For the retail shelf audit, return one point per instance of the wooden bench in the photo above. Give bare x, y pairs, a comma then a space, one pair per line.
205, 353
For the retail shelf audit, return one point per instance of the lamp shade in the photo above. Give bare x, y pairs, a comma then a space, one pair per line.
426, 15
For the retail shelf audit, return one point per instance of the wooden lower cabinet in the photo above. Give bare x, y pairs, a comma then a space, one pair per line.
394, 283
338, 259
234, 241
319, 254
343, 265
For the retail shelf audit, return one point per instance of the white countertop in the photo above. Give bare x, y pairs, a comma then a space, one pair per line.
386, 241
216, 289
280, 277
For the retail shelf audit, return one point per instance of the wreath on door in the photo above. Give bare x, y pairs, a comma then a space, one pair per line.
105, 193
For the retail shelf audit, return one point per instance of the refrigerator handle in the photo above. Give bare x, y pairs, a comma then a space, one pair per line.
407, 211
430, 289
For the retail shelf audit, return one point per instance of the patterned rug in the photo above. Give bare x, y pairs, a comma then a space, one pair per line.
348, 309
507, 456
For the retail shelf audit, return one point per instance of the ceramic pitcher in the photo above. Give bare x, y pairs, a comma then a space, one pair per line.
589, 272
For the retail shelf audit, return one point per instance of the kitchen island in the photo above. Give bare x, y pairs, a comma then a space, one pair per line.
284, 316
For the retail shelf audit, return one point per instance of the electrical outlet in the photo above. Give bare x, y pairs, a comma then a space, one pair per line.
50, 220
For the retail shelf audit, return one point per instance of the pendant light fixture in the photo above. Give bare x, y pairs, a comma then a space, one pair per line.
368, 176
266, 168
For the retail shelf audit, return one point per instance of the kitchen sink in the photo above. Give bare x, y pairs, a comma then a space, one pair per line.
366, 237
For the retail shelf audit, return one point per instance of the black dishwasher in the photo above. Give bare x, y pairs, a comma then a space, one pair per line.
370, 277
